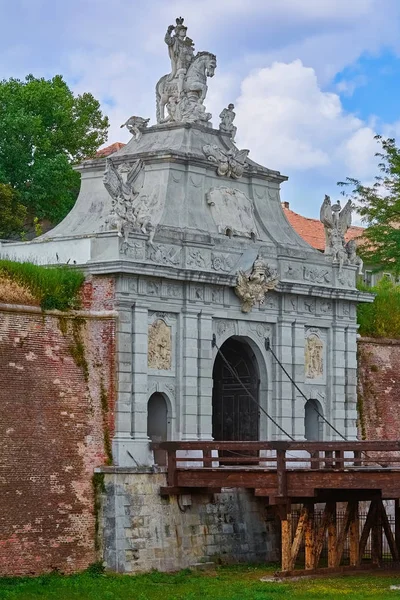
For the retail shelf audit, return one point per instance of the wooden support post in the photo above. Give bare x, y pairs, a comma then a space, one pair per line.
343, 532
376, 535
389, 534
309, 538
171, 469
320, 536
354, 535
281, 472
299, 535
332, 538
397, 523
367, 527
286, 541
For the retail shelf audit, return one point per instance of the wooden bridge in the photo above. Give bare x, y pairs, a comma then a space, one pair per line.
306, 473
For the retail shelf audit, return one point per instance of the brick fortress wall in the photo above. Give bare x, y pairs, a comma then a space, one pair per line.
378, 389
57, 397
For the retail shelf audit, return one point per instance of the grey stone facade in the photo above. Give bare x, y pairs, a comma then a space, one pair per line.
187, 277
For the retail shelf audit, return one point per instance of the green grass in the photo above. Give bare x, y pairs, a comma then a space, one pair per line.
53, 287
223, 583
381, 318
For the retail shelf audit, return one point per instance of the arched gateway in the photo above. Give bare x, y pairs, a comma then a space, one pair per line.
235, 414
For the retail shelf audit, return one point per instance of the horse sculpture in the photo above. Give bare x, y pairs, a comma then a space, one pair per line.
188, 106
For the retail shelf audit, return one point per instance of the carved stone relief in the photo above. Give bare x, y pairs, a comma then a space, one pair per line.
316, 275
164, 254
198, 259
223, 262
314, 355
260, 329
230, 163
133, 250
223, 327
232, 212
309, 305
214, 294
159, 346
292, 271
172, 290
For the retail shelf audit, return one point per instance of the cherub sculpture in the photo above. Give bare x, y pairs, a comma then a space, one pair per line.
337, 221
252, 287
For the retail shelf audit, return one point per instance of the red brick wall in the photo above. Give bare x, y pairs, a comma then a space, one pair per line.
54, 374
379, 389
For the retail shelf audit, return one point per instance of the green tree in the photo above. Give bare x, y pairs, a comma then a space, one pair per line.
44, 131
12, 212
379, 206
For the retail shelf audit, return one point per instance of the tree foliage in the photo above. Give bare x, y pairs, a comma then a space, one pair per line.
12, 212
44, 131
379, 206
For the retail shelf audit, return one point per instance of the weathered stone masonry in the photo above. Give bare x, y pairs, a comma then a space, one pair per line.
56, 419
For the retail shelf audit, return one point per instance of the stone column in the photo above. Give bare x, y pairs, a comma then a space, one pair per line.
131, 444
351, 382
338, 414
123, 408
283, 386
189, 398
205, 381
298, 373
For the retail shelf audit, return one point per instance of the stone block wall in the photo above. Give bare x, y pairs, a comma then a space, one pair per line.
56, 421
143, 531
379, 389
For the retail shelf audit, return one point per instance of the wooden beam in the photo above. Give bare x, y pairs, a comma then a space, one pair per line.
343, 532
367, 527
309, 538
327, 517
397, 523
376, 535
286, 542
388, 532
298, 535
354, 535
332, 538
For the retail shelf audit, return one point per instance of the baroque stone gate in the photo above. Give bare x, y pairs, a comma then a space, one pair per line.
192, 231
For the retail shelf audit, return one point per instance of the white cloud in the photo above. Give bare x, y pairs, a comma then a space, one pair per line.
290, 123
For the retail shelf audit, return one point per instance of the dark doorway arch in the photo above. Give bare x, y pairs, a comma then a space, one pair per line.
313, 426
157, 424
235, 415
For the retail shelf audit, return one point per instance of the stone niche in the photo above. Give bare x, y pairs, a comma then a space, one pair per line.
160, 346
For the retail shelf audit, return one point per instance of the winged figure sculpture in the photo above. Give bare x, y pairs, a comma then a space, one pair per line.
336, 221
123, 191
252, 287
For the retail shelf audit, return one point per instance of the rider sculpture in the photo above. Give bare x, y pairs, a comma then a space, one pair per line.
182, 92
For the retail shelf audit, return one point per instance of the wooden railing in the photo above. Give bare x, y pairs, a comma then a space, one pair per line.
279, 456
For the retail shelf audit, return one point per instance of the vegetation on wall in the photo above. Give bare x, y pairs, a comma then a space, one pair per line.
381, 318
47, 287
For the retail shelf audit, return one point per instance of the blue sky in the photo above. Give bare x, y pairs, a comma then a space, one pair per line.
312, 80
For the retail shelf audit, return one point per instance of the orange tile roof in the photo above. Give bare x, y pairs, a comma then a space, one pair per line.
312, 230
109, 149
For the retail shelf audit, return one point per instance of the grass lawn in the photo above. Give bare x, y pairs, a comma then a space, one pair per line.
223, 583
